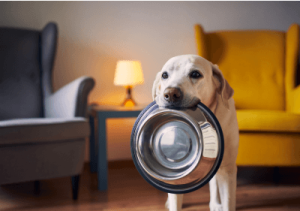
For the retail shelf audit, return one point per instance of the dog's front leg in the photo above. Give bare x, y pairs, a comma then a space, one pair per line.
174, 202
226, 182
215, 201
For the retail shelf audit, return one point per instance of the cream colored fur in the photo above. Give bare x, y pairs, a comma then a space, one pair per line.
213, 91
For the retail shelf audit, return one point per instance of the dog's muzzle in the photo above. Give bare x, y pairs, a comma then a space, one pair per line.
177, 150
173, 95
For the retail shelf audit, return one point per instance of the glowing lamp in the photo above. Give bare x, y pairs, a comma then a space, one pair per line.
128, 74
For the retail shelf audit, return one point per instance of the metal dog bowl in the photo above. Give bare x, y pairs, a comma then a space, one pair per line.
177, 150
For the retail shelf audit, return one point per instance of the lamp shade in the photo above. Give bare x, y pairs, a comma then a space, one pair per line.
128, 73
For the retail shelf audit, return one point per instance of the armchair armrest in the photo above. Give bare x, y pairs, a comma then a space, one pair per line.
295, 100
70, 100
291, 68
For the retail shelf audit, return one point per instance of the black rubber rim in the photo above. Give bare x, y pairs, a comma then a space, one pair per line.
179, 188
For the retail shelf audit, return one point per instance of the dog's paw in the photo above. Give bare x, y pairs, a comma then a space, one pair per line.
215, 207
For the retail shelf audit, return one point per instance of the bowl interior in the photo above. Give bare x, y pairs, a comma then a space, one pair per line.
169, 145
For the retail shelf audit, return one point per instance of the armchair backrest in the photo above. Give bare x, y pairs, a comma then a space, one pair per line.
254, 63
26, 61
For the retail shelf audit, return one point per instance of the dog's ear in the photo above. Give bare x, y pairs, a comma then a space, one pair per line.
223, 88
156, 85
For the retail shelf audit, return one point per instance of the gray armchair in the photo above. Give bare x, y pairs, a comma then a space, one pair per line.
42, 134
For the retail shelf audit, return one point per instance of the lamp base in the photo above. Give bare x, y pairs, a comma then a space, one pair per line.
128, 102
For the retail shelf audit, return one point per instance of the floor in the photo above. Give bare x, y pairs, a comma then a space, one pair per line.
127, 191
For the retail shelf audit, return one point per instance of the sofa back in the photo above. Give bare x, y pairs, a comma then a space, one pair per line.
253, 62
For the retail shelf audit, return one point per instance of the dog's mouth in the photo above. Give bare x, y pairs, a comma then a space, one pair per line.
181, 104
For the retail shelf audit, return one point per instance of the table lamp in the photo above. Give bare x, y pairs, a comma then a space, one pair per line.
128, 74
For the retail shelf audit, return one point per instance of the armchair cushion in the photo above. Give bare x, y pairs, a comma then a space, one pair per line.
37, 130
268, 121
253, 62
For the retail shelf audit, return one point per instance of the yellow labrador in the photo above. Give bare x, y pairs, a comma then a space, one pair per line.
183, 82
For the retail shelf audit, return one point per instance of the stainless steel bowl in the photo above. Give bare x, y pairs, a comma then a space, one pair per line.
177, 150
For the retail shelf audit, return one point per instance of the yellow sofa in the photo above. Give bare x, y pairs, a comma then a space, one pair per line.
261, 66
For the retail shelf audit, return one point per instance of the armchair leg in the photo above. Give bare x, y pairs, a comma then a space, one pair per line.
75, 186
276, 175
37, 189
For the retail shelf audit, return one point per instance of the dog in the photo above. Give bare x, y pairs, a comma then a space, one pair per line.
184, 81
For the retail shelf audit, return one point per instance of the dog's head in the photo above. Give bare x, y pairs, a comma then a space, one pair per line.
185, 80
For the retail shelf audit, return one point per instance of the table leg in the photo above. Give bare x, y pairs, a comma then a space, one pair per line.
102, 157
93, 159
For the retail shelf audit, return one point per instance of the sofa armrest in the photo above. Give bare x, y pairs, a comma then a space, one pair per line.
70, 100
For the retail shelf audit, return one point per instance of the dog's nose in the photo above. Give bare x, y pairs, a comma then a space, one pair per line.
172, 94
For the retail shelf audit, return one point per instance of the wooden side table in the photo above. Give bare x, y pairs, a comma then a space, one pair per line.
98, 155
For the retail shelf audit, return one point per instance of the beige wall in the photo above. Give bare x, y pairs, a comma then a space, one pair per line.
94, 35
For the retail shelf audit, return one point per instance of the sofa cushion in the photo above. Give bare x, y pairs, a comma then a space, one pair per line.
268, 121
37, 130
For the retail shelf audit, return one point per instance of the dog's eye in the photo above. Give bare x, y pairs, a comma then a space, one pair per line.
195, 74
164, 75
